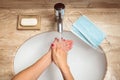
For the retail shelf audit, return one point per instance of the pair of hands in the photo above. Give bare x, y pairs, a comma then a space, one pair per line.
57, 54
59, 49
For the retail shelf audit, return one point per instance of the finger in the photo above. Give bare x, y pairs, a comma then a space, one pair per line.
68, 42
55, 42
53, 47
57, 39
58, 43
63, 39
68, 45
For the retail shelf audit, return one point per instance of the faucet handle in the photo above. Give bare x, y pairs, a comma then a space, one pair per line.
59, 8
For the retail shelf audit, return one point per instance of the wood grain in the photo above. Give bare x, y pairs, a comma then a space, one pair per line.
11, 38
48, 4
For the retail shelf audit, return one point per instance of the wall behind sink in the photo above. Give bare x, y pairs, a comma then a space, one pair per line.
49, 3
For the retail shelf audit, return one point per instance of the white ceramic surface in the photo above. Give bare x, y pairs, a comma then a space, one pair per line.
85, 62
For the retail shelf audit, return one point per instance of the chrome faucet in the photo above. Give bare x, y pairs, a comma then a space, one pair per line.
59, 13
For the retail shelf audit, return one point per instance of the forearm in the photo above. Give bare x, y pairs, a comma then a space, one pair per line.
66, 73
34, 71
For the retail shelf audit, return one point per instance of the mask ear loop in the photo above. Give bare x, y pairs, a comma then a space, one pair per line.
100, 49
72, 21
110, 47
81, 14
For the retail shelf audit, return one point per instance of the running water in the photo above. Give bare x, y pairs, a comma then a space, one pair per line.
60, 36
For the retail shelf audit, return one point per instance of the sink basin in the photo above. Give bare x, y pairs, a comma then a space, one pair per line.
85, 62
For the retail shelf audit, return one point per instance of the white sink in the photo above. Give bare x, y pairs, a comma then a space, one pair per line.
85, 62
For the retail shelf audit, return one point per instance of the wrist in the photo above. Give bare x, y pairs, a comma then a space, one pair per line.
64, 67
66, 73
48, 56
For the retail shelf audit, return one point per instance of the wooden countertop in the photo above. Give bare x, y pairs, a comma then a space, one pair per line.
11, 38
49, 4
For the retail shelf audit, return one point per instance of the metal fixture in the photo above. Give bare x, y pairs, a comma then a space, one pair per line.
59, 13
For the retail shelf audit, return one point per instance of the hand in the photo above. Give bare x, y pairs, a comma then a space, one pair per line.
59, 51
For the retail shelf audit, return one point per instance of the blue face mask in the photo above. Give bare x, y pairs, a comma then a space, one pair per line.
87, 31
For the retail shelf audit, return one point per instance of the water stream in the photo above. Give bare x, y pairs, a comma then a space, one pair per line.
60, 36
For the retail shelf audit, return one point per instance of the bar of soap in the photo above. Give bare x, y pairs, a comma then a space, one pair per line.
29, 22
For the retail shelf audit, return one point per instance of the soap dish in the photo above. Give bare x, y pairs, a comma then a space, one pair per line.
28, 22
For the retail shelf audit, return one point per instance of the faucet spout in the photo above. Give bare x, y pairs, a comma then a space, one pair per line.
60, 24
59, 12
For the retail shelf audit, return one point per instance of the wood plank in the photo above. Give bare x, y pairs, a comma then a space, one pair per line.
48, 4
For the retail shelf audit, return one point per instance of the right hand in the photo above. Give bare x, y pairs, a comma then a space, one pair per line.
59, 51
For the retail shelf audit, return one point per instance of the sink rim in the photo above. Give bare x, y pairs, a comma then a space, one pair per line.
106, 68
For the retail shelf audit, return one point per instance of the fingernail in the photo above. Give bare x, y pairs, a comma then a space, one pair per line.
55, 38
52, 45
